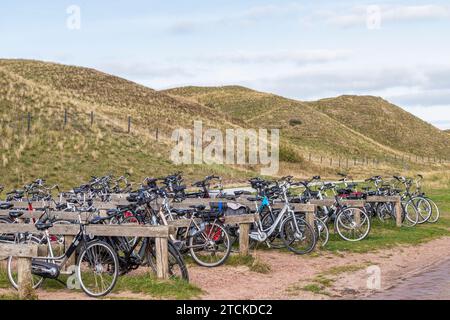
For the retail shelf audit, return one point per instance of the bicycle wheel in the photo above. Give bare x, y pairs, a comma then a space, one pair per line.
352, 224
434, 211
274, 239
210, 247
385, 212
298, 236
12, 266
322, 232
97, 268
177, 266
410, 215
424, 209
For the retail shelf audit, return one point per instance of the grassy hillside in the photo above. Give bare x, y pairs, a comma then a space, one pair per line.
347, 125
71, 154
387, 124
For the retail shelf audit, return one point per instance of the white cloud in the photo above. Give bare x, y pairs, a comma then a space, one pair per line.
358, 15
244, 17
277, 57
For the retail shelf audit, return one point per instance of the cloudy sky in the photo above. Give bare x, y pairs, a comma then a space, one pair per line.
399, 50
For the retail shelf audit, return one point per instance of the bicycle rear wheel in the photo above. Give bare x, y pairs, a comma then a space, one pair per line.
434, 211
410, 214
177, 266
212, 246
12, 266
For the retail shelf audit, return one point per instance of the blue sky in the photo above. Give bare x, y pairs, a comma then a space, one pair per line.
399, 50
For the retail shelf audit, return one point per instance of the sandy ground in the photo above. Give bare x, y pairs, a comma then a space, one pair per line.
291, 273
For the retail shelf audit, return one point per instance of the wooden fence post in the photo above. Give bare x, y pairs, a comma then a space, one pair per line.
129, 124
310, 219
24, 278
65, 117
162, 258
398, 212
29, 122
92, 118
157, 134
244, 230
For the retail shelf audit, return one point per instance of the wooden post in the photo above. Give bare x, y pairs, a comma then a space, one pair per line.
310, 219
65, 117
162, 258
92, 118
24, 278
244, 230
321, 159
310, 157
357, 218
398, 212
157, 134
73, 259
129, 124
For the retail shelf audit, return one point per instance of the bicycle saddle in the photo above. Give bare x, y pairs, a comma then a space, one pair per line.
41, 226
198, 207
111, 212
210, 215
6, 206
15, 214
241, 192
257, 198
181, 212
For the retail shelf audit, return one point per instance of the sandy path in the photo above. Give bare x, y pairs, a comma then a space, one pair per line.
290, 273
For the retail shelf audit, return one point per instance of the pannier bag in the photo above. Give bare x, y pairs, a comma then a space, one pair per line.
229, 208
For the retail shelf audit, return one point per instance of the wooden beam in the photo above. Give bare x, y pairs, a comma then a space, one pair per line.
19, 250
382, 199
330, 202
96, 230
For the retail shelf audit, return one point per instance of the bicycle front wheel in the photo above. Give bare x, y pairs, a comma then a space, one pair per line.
298, 236
352, 224
97, 269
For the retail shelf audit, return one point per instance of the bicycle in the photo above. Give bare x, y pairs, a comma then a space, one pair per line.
96, 270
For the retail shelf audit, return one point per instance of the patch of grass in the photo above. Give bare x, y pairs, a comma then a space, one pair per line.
383, 236
9, 296
254, 264
343, 269
147, 284
314, 288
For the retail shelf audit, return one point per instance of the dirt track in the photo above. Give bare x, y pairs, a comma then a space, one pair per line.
290, 274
